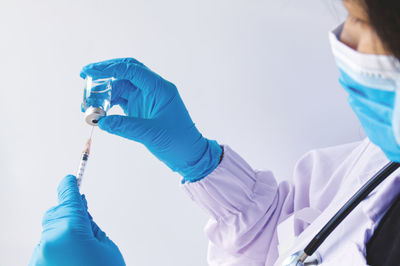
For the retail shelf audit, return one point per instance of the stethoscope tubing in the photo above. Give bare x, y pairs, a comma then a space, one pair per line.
359, 196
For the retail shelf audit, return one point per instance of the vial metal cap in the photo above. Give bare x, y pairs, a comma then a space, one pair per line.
93, 115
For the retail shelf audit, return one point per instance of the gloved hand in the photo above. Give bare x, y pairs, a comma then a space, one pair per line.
156, 117
70, 236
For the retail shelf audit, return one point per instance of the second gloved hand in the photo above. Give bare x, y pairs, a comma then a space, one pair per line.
70, 237
156, 117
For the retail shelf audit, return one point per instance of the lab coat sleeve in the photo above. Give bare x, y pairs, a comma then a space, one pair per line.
245, 206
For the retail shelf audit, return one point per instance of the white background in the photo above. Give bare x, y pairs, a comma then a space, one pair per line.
257, 75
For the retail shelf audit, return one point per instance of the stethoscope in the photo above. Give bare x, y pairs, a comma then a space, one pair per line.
309, 256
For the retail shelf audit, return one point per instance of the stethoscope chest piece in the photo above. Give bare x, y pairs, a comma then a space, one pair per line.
301, 259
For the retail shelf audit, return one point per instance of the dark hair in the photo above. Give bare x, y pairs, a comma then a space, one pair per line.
384, 16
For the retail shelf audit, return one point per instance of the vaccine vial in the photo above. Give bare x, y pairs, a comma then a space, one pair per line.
96, 99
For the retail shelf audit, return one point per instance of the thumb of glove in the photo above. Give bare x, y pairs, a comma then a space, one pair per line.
68, 191
137, 129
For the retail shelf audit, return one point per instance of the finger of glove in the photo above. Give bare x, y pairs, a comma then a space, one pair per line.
105, 64
61, 211
121, 88
54, 212
97, 232
128, 127
120, 93
84, 202
122, 103
50, 215
68, 192
140, 76
85, 206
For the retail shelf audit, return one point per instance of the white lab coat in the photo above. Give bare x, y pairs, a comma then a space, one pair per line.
254, 221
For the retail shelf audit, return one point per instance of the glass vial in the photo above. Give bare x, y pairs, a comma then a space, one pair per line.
96, 99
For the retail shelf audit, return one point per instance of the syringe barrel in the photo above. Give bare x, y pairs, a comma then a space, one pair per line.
81, 169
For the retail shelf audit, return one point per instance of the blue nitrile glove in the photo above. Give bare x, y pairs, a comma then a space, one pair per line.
156, 117
70, 237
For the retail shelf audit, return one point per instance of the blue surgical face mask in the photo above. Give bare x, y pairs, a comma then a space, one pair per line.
373, 84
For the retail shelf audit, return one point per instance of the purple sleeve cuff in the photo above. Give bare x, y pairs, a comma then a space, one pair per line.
233, 187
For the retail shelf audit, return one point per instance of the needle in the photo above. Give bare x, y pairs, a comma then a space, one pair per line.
91, 132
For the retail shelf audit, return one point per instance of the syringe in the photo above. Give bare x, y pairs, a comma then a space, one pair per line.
84, 159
